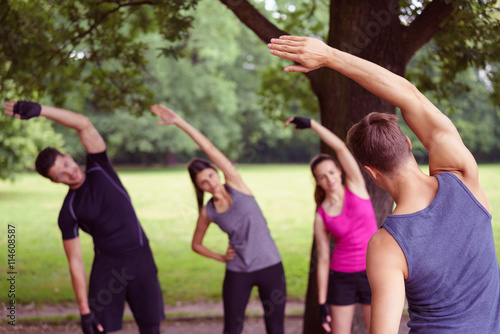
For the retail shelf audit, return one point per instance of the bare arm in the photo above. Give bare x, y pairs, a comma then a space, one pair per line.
436, 132
74, 254
89, 137
73, 251
386, 268
354, 179
231, 175
199, 234
323, 250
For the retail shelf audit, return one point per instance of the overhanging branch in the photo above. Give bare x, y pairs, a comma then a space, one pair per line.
253, 19
425, 26
257, 22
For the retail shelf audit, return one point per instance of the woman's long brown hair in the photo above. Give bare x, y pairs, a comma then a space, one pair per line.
195, 166
319, 193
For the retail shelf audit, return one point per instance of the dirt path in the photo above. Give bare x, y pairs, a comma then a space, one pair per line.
199, 318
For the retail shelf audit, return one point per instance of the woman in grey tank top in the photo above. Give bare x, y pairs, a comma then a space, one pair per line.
252, 258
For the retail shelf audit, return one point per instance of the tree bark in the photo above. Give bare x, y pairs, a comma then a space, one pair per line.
372, 30
170, 159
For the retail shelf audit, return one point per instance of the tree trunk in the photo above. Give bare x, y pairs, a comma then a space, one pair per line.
170, 159
343, 103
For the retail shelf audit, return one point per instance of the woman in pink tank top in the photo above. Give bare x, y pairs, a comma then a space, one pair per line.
344, 211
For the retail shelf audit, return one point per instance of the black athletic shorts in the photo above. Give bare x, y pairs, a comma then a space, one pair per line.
348, 288
132, 278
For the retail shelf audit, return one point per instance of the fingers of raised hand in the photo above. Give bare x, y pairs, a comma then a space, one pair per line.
154, 109
9, 107
288, 121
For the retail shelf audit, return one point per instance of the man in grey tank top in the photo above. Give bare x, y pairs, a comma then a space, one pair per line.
437, 247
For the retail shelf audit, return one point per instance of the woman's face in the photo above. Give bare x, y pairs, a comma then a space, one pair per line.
208, 180
328, 176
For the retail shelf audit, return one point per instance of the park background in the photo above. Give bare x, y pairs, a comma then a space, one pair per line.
215, 72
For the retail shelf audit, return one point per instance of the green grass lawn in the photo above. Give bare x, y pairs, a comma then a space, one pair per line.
166, 205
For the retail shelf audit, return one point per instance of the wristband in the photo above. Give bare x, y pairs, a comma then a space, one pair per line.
301, 122
27, 109
89, 324
324, 311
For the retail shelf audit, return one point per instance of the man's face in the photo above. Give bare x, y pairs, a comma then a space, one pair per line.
65, 170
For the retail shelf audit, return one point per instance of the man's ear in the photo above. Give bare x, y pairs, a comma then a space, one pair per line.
374, 174
409, 141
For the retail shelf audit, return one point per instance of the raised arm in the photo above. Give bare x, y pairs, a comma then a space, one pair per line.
89, 137
231, 175
74, 254
436, 132
354, 179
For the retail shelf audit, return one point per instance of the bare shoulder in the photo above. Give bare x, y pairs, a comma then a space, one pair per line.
203, 218
381, 237
384, 252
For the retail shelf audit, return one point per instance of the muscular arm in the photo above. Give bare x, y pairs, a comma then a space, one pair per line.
89, 137
354, 179
436, 132
386, 268
74, 254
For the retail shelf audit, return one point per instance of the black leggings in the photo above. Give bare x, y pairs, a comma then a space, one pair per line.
272, 291
146, 329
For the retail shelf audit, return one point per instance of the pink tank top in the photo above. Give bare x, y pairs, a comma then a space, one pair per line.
352, 230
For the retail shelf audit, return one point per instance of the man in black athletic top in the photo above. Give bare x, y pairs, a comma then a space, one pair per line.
123, 267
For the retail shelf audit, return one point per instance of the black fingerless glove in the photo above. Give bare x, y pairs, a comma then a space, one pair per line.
301, 122
324, 311
27, 109
89, 324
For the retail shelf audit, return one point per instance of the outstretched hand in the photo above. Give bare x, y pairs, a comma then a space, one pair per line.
22, 109
311, 53
300, 122
167, 115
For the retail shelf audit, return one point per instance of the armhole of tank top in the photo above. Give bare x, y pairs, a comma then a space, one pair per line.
392, 233
321, 213
469, 193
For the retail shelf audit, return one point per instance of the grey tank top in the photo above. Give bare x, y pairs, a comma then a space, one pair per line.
453, 283
248, 233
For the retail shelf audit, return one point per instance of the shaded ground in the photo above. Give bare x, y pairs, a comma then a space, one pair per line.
200, 318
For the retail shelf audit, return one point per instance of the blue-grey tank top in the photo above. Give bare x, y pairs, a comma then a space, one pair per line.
248, 233
453, 283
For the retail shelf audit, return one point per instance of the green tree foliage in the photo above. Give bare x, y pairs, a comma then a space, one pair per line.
59, 49
476, 116
469, 38
54, 46
21, 141
213, 86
